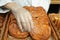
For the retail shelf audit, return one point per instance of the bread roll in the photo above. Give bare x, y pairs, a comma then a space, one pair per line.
41, 29
14, 30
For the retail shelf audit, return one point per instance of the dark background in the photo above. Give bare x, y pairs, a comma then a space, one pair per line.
54, 8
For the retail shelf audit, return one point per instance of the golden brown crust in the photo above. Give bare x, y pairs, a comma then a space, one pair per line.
14, 30
41, 29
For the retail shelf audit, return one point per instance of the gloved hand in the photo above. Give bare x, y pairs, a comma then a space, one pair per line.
23, 17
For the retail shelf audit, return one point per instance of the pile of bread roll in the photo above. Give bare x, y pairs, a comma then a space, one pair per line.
41, 30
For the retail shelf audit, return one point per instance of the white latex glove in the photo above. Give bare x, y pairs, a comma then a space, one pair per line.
23, 17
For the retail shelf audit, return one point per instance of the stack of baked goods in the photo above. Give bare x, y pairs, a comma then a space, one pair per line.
55, 19
1, 24
41, 29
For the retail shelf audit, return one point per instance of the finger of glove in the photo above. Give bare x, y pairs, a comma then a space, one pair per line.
27, 22
18, 20
23, 22
30, 20
24, 13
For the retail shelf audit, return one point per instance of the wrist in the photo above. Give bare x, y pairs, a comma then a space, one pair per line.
11, 6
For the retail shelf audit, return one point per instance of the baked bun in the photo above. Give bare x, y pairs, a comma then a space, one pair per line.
41, 29
14, 30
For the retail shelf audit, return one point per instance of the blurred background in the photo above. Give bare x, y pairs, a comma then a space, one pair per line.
54, 6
